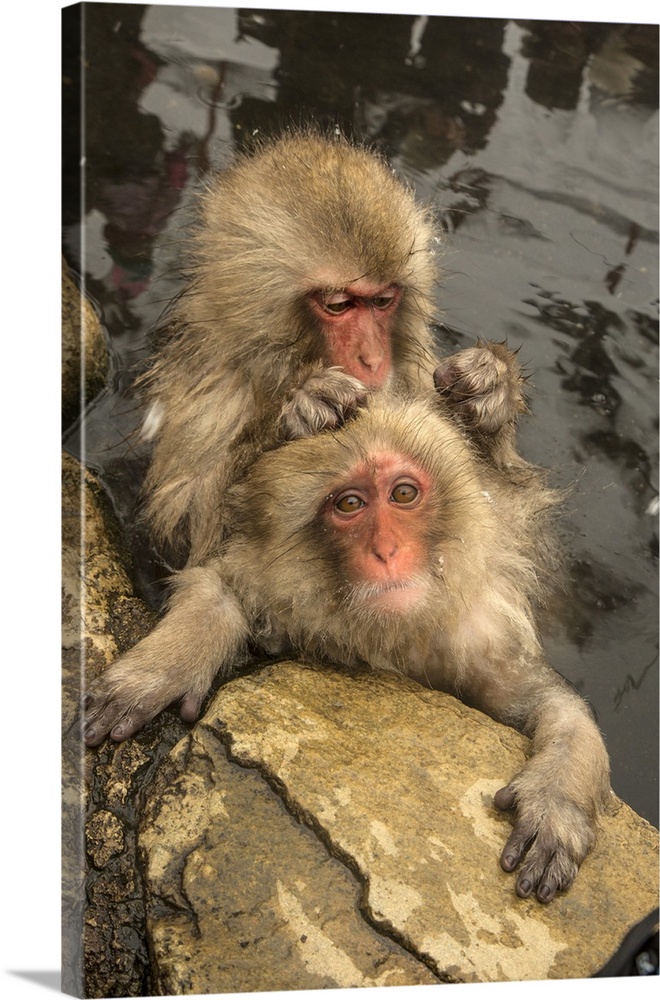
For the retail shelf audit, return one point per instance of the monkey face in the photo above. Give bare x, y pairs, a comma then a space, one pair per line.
377, 517
360, 526
356, 324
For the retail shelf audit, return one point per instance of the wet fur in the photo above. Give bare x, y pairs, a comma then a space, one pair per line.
297, 214
482, 538
279, 581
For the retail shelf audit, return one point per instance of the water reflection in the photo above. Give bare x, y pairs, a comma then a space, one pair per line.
537, 144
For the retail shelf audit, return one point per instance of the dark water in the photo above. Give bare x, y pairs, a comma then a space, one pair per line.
537, 141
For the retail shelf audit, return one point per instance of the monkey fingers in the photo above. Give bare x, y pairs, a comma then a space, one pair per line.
483, 385
103, 724
550, 861
115, 718
327, 399
126, 696
547, 866
119, 715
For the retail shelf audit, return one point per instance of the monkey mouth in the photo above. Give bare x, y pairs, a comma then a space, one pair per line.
390, 595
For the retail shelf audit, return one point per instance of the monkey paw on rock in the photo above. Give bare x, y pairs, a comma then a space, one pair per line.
550, 839
326, 399
120, 702
483, 384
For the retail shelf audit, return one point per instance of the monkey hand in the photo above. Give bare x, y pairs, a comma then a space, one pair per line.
483, 385
552, 833
128, 695
326, 399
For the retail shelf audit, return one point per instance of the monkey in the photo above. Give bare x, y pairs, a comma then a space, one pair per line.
310, 286
388, 543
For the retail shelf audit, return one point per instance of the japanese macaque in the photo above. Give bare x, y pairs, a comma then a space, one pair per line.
309, 288
390, 543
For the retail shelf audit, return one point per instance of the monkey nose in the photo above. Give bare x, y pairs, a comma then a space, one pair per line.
385, 552
372, 359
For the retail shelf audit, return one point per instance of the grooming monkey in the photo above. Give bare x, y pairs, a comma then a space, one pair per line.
390, 543
310, 288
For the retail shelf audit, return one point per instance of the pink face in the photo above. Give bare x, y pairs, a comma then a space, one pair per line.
377, 516
357, 324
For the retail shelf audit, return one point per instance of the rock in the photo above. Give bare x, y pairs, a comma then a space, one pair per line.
243, 897
103, 929
98, 608
84, 356
324, 830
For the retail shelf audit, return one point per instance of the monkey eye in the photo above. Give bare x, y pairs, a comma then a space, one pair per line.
404, 493
383, 301
337, 303
349, 503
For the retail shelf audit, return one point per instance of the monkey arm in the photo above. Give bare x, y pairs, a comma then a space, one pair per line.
203, 631
327, 398
482, 386
559, 792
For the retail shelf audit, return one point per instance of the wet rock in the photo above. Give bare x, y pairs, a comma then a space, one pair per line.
318, 829
90, 603
243, 897
103, 930
98, 608
105, 837
84, 356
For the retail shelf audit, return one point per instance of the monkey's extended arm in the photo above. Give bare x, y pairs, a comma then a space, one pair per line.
560, 791
203, 632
